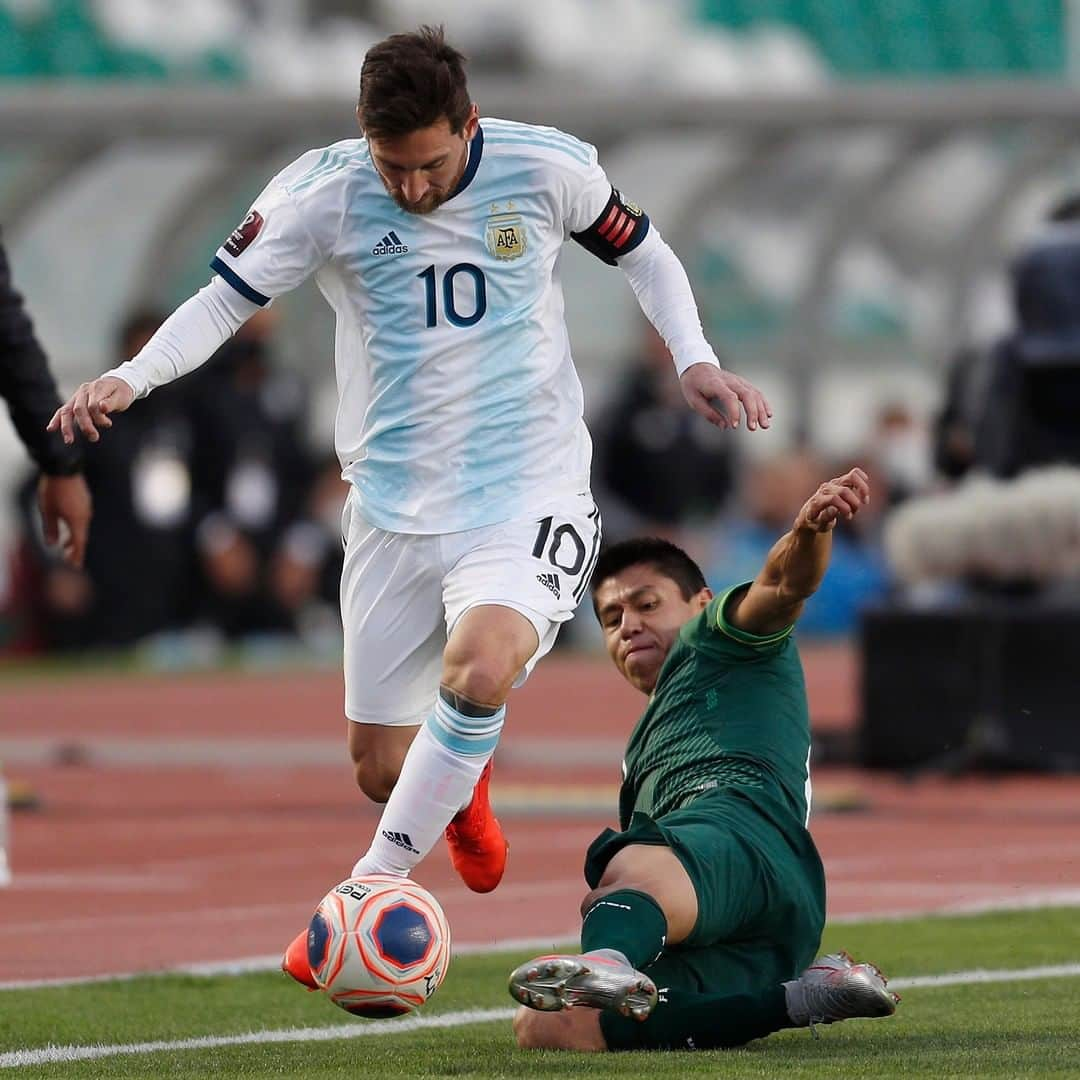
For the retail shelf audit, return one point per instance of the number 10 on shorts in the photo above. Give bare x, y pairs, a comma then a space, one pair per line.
564, 543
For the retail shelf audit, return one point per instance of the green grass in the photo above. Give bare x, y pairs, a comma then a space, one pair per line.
1019, 1029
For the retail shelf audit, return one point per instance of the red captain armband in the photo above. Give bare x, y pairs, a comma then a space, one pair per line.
619, 229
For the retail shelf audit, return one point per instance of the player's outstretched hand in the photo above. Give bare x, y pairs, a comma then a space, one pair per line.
90, 407
841, 497
66, 509
717, 394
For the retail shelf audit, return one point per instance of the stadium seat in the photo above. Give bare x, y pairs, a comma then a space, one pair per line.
915, 37
17, 59
845, 35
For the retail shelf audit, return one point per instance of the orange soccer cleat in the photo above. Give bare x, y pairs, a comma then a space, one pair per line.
475, 838
295, 961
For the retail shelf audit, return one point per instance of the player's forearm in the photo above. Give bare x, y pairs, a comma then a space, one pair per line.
27, 384
663, 291
187, 338
796, 565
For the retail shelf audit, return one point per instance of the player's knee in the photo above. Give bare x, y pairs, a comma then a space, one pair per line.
606, 890
526, 1030
376, 779
590, 898
481, 680
571, 1029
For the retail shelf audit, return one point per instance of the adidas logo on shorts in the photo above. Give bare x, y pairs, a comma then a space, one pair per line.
402, 839
550, 582
390, 244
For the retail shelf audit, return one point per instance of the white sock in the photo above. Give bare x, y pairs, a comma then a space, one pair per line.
437, 779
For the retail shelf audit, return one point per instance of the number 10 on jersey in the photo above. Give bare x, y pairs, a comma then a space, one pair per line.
451, 297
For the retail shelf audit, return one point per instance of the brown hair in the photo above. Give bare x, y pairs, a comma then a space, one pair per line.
411, 81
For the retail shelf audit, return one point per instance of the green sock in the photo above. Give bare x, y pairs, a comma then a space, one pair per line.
687, 1020
629, 921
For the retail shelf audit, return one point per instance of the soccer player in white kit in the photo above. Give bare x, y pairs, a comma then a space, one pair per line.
469, 530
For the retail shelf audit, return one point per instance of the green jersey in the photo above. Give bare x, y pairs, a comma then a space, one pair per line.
729, 711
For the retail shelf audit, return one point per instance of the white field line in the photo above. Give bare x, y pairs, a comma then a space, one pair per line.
49, 1055
981, 975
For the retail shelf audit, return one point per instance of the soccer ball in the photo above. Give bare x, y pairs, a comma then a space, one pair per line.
379, 945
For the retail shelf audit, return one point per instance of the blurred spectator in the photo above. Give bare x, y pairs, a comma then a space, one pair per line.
771, 493
659, 467
27, 385
306, 569
138, 573
325, 506
898, 456
1014, 405
260, 556
60, 496
964, 412
212, 512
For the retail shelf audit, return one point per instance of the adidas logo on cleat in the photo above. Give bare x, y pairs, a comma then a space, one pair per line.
390, 244
550, 582
402, 839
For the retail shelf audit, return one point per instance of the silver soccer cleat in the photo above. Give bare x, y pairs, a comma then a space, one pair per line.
598, 980
836, 987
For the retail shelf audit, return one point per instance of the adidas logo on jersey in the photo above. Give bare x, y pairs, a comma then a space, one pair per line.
551, 582
402, 839
390, 244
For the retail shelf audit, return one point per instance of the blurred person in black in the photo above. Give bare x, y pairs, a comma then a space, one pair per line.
138, 567
659, 467
203, 500
62, 497
1014, 405
259, 554
27, 385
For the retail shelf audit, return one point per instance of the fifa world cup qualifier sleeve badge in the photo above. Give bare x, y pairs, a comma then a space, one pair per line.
244, 233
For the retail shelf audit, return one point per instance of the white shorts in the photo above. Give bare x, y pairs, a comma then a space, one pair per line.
402, 594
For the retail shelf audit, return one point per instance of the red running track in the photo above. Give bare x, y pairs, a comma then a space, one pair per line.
200, 819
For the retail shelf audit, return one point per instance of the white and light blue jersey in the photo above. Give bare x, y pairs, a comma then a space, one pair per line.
459, 405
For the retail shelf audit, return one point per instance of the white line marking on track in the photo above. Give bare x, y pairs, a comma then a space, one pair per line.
254, 965
301, 909
48, 1055
102, 882
1039, 898
949, 856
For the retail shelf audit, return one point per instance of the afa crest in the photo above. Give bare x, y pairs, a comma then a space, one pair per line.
505, 234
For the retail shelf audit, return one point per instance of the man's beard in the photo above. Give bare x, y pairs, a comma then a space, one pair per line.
432, 200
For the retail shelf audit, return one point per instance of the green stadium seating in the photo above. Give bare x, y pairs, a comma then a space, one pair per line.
17, 59
845, 33
62, 39
916, 38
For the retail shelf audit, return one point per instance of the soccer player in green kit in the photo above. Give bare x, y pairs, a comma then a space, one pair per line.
706, 910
